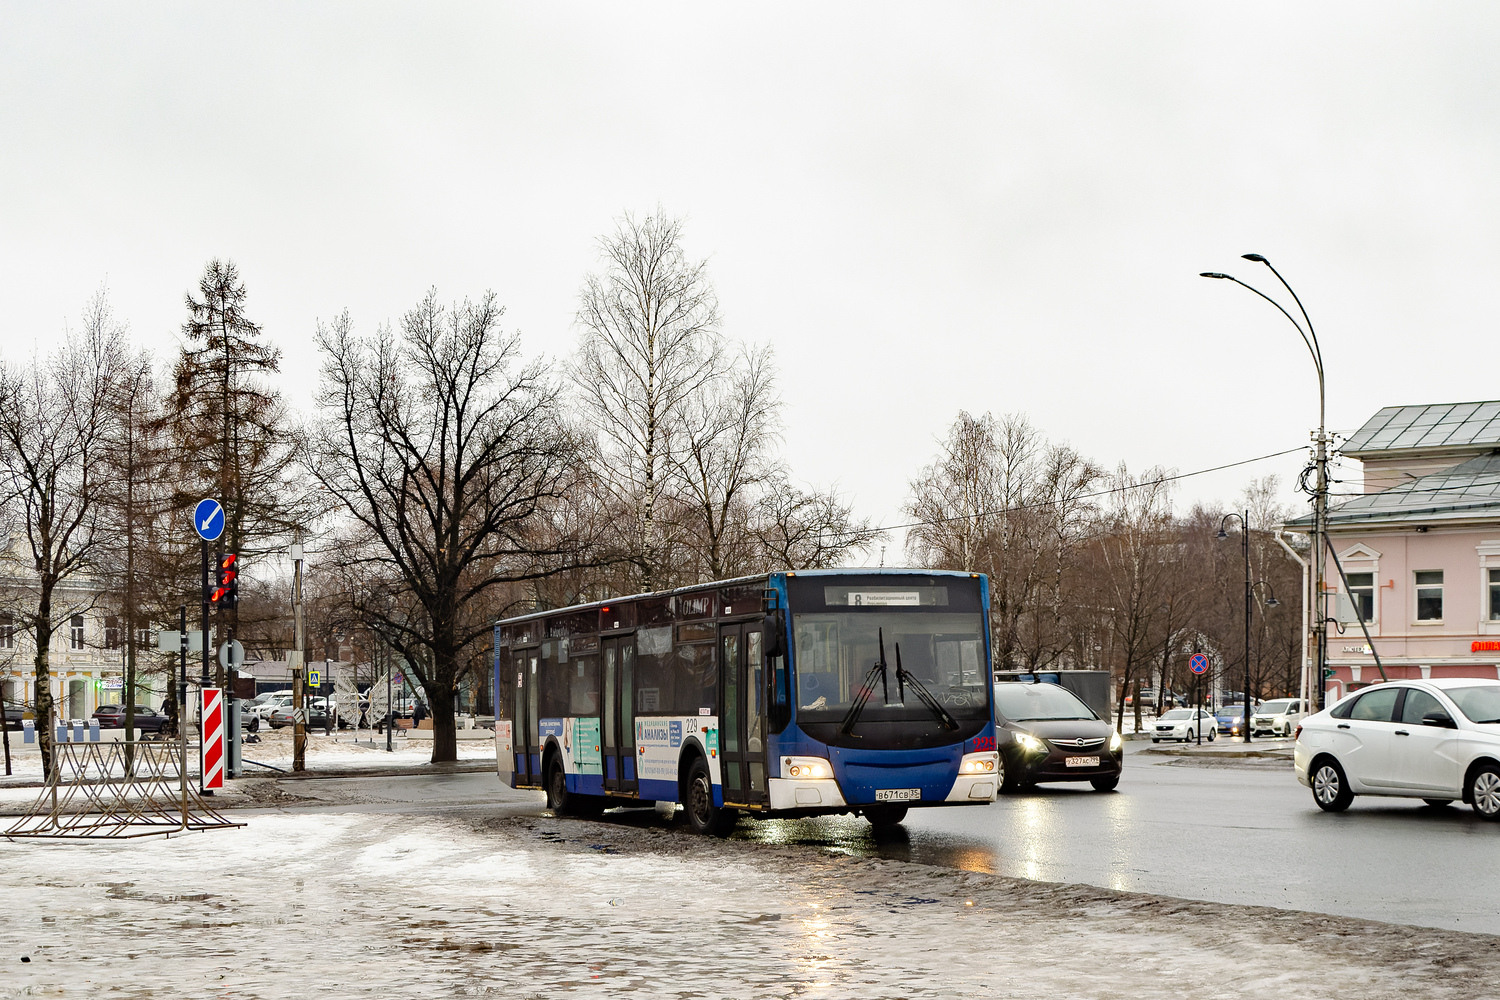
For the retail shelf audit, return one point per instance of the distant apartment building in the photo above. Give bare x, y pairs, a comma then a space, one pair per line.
1420, 548
87, 661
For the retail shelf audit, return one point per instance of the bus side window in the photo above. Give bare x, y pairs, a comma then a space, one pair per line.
779, 701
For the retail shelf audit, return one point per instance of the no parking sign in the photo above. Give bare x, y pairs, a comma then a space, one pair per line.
1198, 663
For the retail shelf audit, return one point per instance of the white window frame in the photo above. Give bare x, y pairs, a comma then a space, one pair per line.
7, 630
1488, 552
1360, 558
1416, 589
77, 633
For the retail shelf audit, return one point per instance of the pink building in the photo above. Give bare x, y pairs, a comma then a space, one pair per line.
1420, 549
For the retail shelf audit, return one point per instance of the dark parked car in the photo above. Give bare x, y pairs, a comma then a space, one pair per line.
15, 713
1044, 732
147, 720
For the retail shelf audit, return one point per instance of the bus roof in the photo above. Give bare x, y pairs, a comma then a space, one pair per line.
739, 581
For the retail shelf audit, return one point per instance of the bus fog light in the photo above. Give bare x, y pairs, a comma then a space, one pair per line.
806, 767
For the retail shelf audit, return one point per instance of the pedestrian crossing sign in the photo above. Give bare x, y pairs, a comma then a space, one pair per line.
315, 677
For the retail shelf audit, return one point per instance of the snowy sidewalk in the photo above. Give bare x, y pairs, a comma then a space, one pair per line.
372, 905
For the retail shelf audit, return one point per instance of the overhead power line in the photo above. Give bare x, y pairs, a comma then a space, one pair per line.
1082, 496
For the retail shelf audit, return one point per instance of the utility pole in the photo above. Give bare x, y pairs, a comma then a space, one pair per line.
299, 715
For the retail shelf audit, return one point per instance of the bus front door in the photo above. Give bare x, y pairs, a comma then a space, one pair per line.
524, 735
742, 714
619, 715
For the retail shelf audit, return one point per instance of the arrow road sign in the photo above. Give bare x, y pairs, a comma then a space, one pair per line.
208, 519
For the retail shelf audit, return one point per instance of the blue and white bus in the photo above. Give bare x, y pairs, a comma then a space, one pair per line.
785, 694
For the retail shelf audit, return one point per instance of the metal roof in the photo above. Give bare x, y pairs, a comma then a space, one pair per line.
1429, 425
1466, 491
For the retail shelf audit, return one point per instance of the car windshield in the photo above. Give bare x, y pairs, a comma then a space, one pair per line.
1232, 710
1178, 714
1034, 702
1274, 707
1479, 704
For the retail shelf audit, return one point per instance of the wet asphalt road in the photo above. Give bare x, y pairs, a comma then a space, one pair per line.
1222, 832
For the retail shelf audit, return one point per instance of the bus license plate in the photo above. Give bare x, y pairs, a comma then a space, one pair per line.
897, 794
1083, 761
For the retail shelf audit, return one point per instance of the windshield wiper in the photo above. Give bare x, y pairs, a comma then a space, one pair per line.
851, 717
903, 678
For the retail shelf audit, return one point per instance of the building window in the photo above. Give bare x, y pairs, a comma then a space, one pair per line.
1429, 595
1362, 594
111, 632
1494, 595
7, 630
143, 639
75, 632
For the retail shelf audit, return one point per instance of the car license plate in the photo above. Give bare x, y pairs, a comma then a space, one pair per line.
1083, 762
897, 794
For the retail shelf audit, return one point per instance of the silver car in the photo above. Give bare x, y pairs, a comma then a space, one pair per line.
1278, 717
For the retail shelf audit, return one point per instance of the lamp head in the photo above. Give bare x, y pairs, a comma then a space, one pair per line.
1255, 257
1272, 602
1213, 274
1222, 533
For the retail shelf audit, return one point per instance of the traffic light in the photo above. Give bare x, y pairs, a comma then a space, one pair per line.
227, 590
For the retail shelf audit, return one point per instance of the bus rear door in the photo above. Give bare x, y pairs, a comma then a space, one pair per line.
528, 761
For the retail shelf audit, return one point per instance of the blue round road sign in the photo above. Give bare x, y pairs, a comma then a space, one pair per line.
208, 519
1198, 663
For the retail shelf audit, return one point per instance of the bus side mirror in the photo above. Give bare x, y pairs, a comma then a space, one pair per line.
773, 633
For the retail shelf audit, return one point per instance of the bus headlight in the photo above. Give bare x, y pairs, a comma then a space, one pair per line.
1029, 742
1115, 743
979, 763
806, 767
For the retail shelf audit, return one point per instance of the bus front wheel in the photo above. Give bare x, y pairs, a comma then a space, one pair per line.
698, 803
884, 817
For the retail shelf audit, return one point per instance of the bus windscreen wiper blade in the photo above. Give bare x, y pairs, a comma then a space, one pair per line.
851, 717
903, 678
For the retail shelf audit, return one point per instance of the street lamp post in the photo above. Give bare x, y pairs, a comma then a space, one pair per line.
1245, 545
1320, 463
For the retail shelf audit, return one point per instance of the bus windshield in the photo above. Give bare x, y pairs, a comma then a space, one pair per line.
837, 653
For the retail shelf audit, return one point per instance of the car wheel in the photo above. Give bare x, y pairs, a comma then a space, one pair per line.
1438, 803
698, 802
1155, 740
883, 817
1329, 786
1212, 735
1484, 791
1106, 784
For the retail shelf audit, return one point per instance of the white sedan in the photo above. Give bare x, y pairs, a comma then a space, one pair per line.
1435, 740
1184, 724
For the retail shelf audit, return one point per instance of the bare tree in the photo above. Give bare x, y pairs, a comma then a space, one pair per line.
807, 529
54, 418
447, 454
726, 432
650, 325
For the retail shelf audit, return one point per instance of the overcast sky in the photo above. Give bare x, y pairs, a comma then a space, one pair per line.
989, 206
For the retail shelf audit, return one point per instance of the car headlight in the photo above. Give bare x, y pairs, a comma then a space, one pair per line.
1029, 742
1115, 743
806, 767
979, 763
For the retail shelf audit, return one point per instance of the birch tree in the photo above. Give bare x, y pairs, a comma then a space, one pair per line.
650, 341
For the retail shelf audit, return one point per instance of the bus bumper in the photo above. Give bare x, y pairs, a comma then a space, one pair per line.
805, 793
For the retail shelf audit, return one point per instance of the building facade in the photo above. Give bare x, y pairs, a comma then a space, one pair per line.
87, 652
1418, 551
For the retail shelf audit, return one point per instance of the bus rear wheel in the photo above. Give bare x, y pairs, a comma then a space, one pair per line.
698, 803
564, 802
